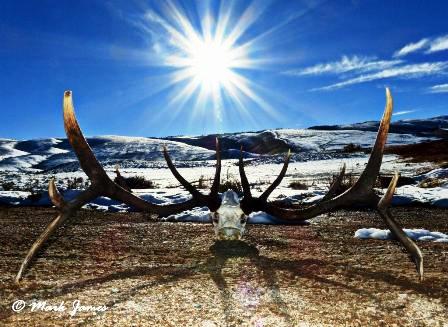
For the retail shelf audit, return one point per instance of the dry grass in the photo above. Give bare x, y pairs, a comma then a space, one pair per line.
351, 147
433, 151
139, 182
348, 181
231, 182
382, 181
430, 183
298, 185
8, 186
203, 183
77, 183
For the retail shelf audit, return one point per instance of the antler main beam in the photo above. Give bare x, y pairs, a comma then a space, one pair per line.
361, 193
101, 182
102, 185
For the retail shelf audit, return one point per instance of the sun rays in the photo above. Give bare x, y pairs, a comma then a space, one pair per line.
209, 59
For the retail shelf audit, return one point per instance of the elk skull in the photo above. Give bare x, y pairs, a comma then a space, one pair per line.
229, 221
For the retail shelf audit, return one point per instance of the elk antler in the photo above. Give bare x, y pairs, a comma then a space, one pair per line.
410, 246
212, 200
249, 203
102, 185
361, 193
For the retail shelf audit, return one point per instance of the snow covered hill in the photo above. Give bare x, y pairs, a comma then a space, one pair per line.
56, 155
429, 126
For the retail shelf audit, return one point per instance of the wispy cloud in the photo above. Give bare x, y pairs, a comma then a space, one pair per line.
403, 112
411, 47
439, 44
441, 88
428, 45
344, 65
406, 71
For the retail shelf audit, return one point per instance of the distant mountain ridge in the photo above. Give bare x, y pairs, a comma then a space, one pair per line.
262, 142
316, 143
272, 142
429, 126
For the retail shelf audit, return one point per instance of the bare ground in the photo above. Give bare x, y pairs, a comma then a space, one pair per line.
174, 274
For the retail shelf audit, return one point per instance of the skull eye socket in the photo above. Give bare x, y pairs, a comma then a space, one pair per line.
243, 219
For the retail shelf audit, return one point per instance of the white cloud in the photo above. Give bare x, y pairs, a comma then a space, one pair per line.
411, 47
439, 44
406, 71
346, 64
431, 45
441, 88
403, 112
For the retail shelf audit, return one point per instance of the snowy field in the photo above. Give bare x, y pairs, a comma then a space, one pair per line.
27, 166
315, 174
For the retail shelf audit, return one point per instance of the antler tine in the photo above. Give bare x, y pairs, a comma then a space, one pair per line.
91, 167
86, 158
264, 197
216, 181
368, 177
244, 181
211, 200
190, 188
120, 180
66, 211
362, 192
335, 185
408, 243
214, 200
247, 203
55, 197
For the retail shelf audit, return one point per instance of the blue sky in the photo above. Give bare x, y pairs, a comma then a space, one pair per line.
293, 64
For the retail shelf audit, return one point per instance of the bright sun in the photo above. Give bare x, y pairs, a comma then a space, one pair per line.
207, 63
210, 63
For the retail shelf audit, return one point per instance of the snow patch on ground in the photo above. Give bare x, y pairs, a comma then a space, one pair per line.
202, 215
412, 194
415, 234
440, 174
